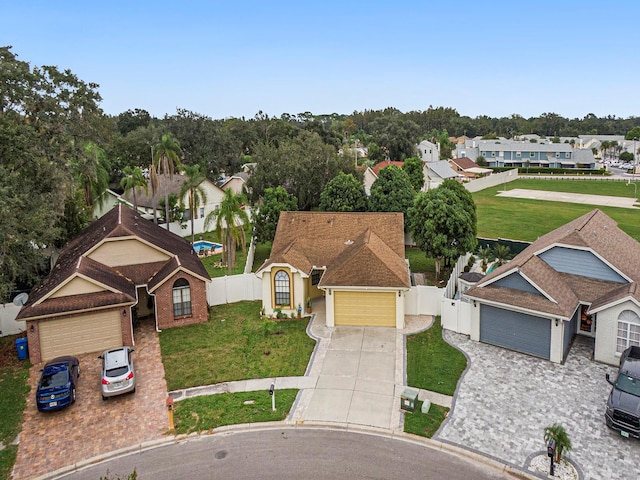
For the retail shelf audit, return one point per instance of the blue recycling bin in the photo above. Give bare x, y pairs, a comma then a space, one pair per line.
21, 347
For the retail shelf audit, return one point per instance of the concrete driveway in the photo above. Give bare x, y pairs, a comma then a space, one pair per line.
356, 382
91, 426
505, 399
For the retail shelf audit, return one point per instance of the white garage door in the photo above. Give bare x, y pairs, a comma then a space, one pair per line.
82, 334
376, 309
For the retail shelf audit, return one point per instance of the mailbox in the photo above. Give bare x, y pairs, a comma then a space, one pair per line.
551, 448
271, 389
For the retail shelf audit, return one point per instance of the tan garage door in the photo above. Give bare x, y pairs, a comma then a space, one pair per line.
377, 309
82, 334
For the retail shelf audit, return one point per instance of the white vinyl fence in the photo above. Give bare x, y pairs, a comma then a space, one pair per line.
8, 324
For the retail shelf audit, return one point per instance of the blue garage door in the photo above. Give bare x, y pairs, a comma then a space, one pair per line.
517, 331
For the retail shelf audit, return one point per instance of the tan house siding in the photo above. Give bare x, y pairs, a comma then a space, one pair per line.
77, 286
164, 302
126, 252
33, 337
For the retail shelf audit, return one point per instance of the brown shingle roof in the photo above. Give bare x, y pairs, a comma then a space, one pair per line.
464, 163
594, 231
121, 221
357, 249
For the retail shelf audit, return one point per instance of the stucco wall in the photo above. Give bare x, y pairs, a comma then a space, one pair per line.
607, 328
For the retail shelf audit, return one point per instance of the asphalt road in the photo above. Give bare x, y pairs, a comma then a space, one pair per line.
307, 454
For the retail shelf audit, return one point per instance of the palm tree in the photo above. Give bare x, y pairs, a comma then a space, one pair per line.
559, 435
502, 254
166, 159
486, 256
229, 221
91, 170
153, 181
134, 181
192, 187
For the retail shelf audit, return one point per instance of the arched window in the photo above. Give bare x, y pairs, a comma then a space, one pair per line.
282, 288
628, 330
181, 298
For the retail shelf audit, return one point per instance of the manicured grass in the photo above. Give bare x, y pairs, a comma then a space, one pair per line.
419, 263
13, 385
425, 424
433, 364
208, 262
207, 412
235, 344
213, 271
525, 219
263, 250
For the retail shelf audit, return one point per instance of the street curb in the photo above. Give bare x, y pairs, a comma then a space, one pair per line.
255, 427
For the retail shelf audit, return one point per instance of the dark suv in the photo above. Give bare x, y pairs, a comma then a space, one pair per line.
623, 406
57, 385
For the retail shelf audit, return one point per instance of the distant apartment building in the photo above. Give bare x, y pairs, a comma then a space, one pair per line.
522, 154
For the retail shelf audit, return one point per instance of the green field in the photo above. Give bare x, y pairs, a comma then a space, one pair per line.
524, 219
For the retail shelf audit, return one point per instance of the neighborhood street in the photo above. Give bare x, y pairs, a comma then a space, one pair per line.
304, 454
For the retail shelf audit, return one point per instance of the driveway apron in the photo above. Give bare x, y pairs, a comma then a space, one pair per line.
91, 426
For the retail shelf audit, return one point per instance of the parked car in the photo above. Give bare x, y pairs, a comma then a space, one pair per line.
57, 385
118, 373
623, 405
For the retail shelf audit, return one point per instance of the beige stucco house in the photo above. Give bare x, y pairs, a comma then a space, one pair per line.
119, 269
356, 261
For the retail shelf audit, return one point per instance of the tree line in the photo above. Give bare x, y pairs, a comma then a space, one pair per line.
59, 152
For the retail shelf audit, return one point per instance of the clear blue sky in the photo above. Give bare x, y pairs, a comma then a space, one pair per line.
234, 58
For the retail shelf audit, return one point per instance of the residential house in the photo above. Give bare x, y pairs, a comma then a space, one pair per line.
437, 172
428, 151
236, 182
147, 201
356, 261
119, 269
468, 168
368, 177
579, 279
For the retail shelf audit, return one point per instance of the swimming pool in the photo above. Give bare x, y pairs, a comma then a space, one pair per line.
204, 245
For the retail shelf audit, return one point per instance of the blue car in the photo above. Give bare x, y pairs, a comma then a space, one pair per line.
57, 385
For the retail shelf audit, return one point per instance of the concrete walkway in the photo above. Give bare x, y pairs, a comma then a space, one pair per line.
356, 376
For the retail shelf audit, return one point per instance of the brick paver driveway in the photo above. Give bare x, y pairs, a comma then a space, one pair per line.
91, 426
505, 399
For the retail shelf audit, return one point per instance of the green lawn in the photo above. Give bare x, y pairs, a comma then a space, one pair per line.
433, 364
263, 250
207, 412
13, 385
425, 424
524, 219
235, 344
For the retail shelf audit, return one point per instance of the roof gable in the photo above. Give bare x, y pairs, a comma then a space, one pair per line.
593, 235
306, 240
119, 223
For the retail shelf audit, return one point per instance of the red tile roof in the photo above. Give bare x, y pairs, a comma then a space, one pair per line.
376, 169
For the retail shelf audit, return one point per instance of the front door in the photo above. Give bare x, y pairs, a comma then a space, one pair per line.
587, 325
